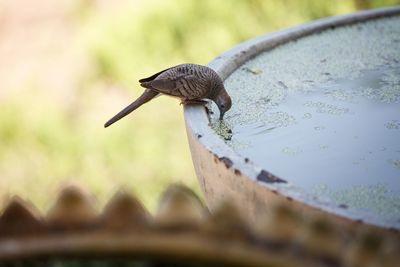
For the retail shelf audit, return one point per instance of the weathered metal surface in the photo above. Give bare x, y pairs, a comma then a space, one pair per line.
253, 189
182, 231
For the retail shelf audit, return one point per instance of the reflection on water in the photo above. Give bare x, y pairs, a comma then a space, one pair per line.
332, 127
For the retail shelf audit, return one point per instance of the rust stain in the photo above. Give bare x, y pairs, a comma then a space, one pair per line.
215, 159
227, 161
269, 178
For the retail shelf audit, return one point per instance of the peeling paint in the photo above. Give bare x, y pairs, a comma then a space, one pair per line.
227, 161
237, 172
267, 177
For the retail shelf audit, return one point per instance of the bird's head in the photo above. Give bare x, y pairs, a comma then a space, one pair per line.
223, 101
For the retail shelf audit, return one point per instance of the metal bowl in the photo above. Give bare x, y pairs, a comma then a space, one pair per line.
224, 174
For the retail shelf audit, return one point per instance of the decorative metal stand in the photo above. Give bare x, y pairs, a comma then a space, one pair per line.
181, 233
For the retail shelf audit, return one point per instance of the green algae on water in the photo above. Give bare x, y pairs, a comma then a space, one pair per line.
254, 71
223, 129
393, 125
325, 109
364, 198
395, 163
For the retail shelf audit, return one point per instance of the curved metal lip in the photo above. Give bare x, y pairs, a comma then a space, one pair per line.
198, 121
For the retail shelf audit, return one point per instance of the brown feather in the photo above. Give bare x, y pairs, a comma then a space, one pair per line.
191, 83
152, 77
144, 98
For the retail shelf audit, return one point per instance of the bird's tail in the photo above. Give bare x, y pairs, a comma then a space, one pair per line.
145, 97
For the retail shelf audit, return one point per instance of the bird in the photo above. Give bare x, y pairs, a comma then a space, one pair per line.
191, 83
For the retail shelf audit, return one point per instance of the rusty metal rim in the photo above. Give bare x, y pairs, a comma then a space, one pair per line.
72, 229
198, 121
169, 247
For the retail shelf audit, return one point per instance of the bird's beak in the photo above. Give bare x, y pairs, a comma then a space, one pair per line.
221, 115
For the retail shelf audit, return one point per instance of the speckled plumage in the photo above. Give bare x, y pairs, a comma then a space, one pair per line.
186, 81
189, 82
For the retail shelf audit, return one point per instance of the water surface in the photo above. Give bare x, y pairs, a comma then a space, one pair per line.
323, 113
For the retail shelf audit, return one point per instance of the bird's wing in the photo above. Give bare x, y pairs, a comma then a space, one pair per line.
152, 77
182, 86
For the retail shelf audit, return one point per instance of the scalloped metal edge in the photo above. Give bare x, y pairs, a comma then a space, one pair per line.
182, 230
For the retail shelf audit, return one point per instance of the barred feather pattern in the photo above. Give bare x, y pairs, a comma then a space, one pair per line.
186, 81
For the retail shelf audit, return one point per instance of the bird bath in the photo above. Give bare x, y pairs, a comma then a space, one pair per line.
315, 122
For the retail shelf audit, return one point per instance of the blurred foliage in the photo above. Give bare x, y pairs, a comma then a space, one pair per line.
44, 140
162, 33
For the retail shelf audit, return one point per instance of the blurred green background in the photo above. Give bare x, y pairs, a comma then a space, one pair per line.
68, 66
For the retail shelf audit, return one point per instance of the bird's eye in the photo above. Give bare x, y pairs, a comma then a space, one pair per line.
222, 106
